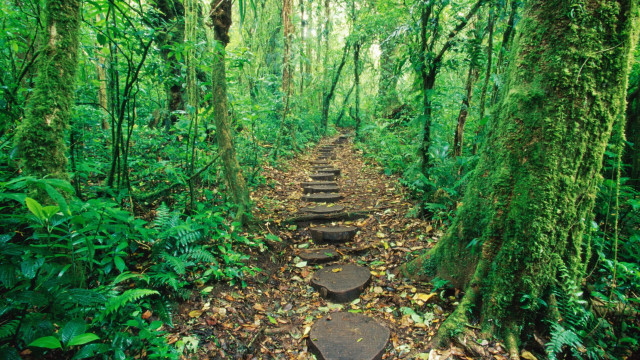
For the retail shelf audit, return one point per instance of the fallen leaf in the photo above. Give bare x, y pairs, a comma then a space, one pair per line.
195, 313
259, 307
146, 315
423, 296
336, 270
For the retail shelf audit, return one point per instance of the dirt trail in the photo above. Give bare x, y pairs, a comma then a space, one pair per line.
271, 318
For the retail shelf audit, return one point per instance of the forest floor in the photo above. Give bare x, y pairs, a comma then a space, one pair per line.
271, 317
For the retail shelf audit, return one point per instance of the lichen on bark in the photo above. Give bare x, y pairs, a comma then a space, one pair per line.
525, 211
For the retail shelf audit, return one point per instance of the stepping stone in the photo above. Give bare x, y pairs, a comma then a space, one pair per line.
318, 183
323, 209
319, 162
322, 197
333, 233
327, 157
326, 169
323, 176
341, 283
318, 256
319, 168
344, 335
320, 189
326, 150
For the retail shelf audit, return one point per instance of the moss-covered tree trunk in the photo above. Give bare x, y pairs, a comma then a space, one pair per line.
172, 17
41, 136
221, 19
632, 132
522, 223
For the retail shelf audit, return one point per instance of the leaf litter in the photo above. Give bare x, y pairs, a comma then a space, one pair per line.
272, 316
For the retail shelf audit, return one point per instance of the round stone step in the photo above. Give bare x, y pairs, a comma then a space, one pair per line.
344, 335
322, 197
320, 189
326, 169
327, 157
319, 183
341, 283
318, 256
322, 177
323, 209
333, 233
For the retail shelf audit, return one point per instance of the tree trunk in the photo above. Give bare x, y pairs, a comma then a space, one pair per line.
504, 48
172, 11
487, 75
326, 101
429, 72
221, 17
632, 133
458, 138
41, 136
286, 70
387, 94
520, 228
303, 40
356, 81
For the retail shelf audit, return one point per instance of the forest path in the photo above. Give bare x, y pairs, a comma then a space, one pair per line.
275, 315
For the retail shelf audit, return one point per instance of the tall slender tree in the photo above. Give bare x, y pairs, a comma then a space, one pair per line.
220, 14
41, 136
521, 229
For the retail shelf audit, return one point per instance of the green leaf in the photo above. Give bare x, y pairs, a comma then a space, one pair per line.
48, 342
272, 320
120, 265
72, 329
35, 208
83, 339
273, 238
101, 39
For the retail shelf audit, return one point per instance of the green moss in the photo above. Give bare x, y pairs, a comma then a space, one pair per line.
538, 173
41, 136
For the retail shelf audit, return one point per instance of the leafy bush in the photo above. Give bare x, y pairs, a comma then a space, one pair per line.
71, 279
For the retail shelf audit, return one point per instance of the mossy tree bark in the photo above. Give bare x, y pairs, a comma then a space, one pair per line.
41, 136
221, 19
172, 17
527, 206
632, 133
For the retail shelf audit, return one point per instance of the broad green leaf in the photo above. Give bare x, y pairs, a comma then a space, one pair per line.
83, 339
120, 265
48, 342
35, 208
72, 329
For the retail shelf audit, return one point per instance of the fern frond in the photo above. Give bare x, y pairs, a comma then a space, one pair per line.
177, 264
198, 254
561, 337
163, 215
9, 328
116, 303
